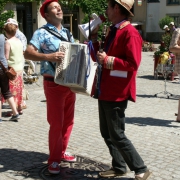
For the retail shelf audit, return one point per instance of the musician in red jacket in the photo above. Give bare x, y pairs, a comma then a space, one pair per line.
120, 61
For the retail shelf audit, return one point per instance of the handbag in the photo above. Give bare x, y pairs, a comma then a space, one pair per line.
10, 72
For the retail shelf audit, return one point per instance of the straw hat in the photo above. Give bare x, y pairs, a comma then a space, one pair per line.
127, 4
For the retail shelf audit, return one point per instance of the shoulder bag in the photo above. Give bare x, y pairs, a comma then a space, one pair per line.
10, 72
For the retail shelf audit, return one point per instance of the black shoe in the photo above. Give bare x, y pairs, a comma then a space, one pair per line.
14, 118
111, 173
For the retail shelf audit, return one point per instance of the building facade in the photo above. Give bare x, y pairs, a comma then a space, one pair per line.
150, 12
147, 13
29, 18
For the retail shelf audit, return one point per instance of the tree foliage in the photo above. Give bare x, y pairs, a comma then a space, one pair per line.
165, 21
88, 7
91, 6
10, 14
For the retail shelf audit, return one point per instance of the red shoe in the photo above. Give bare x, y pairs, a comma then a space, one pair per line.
8, 114
20, 111
67, 157
54, 168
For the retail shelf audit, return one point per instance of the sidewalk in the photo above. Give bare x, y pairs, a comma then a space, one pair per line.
150, 125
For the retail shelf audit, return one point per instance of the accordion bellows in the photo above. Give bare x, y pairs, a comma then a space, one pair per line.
77, 70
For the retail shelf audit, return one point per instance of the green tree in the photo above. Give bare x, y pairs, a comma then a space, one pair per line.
165, 21
88, 7
9, 14
91, 6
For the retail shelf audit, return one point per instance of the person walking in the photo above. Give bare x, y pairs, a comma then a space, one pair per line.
175, 49
166, 30
172, 27
60, 99
4, 83
14, 55
23, 40
120, 61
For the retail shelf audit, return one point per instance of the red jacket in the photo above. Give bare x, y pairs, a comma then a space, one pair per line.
126, 48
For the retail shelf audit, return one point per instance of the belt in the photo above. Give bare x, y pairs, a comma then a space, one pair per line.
49, 78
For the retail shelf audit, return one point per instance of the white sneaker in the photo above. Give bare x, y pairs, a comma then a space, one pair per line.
54, 168
67, 157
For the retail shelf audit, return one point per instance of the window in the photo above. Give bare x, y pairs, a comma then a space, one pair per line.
176, 18
151, 1
173, 2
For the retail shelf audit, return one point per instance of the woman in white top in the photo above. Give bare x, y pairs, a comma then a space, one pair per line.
14, 55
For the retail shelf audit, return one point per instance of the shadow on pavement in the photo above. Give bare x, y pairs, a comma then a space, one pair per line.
150, 77
145, 95
21, 159
139, 121
6, 106
29, 164
159, 95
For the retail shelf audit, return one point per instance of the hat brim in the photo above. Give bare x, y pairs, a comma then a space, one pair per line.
10, 23
125, 7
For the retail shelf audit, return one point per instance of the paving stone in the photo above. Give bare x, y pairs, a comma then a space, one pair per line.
150, 125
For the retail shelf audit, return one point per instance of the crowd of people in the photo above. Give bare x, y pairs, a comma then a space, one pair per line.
120, 60
13, 45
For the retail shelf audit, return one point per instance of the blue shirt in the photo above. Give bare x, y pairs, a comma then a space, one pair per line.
22, 38
2, 55
47, 43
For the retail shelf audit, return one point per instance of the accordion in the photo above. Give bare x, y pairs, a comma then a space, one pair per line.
77, 70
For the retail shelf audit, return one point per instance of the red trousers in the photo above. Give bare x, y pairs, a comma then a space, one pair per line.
60, 116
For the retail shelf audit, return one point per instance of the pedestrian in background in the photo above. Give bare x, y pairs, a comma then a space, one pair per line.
175, 49
60, 99
166, 30
172, 27
120, 61
15, 58
23, 40
166, 38
4, 83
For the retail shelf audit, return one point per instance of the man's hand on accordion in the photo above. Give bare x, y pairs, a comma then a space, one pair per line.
56, 57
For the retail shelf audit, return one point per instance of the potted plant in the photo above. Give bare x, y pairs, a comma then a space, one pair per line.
157, 54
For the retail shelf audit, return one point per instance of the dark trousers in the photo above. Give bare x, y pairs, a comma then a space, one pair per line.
4, 86
112, 127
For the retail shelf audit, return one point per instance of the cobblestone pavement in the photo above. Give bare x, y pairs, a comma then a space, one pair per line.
150, 125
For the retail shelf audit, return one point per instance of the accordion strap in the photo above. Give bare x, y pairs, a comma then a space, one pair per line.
57, 34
